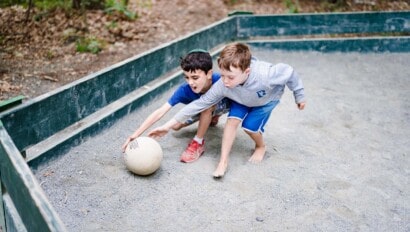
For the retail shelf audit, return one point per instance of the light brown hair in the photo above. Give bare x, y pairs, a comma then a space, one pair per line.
237, 55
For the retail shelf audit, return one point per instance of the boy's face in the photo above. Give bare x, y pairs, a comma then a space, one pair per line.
198, 80
234, 77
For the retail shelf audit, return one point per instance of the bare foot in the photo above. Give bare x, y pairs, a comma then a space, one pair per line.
220, 170
258, 155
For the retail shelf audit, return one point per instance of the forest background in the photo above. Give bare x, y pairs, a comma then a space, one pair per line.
45, 44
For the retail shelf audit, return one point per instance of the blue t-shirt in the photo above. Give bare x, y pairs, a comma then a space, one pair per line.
185, 95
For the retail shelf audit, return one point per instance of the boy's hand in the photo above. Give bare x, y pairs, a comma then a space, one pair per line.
124, 146
301, 105
163, 130
158, 132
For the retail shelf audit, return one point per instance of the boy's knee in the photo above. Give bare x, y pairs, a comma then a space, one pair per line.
251, 133
233, 121
208, 111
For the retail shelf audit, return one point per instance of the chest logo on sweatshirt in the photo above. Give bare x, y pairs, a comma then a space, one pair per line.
261, 93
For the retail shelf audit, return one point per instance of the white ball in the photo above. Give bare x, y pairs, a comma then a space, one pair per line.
143, 156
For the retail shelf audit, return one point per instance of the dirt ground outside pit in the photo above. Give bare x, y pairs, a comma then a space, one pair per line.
39, 55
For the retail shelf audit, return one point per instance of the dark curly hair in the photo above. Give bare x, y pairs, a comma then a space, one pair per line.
195, 60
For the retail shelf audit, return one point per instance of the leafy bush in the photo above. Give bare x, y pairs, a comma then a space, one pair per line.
119, 6
50, 4
89, 44
5, 3
291, 6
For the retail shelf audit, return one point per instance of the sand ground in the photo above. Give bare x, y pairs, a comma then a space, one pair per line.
342, 164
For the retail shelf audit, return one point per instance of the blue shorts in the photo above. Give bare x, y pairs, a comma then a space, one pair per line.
253, 118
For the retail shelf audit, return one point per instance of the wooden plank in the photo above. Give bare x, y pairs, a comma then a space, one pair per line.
11, 102
13, 219
374, 44
2, 212
28, 198
326, 23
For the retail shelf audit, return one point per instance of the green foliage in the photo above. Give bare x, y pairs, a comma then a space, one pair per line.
333, 5
40, 4
145, 4
89, 44
230, 2
50, 54
112, 25
52, 4
6, 3
119, 6
291, 6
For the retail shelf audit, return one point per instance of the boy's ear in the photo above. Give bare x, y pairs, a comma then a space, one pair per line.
247, 71
209, 74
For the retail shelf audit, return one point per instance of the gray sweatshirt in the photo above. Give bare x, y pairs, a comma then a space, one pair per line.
266, 83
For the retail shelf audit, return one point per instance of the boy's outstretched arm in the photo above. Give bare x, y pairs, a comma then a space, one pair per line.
149, 121
294, 83
163, 130
207, 100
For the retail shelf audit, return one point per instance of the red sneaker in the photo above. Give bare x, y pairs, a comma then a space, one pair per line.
193, 151
215, 120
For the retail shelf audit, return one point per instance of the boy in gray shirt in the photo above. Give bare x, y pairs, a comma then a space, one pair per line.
255, 88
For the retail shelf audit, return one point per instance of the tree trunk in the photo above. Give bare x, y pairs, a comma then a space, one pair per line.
76, 4
30, 6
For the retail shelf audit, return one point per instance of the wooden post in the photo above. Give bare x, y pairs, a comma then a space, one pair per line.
2, 213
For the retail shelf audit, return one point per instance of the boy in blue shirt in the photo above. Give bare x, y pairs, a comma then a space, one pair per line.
197, 68
254, 87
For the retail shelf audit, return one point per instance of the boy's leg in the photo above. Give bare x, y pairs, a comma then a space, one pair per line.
179, 126
236, 113
197, 146
204, 122
222, 107
254, 124
260, 148
227, 142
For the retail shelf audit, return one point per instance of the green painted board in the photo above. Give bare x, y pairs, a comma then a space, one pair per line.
329, 23
2, 212
13, 219
9, 103
374, 44
27, 196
